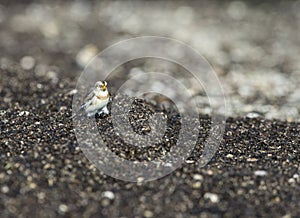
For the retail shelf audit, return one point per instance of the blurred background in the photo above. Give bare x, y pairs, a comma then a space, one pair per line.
252, 45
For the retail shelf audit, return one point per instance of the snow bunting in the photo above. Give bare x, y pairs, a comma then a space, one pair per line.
96, 101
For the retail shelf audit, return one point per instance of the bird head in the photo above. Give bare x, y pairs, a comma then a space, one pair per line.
101, 87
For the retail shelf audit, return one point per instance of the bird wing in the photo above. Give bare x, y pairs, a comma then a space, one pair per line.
88, 97
87, 101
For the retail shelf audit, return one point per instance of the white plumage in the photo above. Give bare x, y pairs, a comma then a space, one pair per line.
96, 101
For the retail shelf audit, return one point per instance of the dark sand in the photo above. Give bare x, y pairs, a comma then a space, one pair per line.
44, 173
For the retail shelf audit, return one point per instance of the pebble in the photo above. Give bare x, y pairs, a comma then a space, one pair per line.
148, 213
189, 161
63, 208
5, 189
196, 185
140, 179
23, 113
260, 173
253, 115
252, 159
108, 194
32, 185
27, 62
2, 112
63, 108
229, 155
214, 198
198, 177
41, 195
105, 202
210, 172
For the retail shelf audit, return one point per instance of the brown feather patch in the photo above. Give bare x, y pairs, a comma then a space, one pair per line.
102, 97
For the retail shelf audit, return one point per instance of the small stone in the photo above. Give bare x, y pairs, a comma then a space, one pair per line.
105, 202
252, 159
39, 85
196, 185
277, 199
50, 182
5, 189
23, 113
32, 185
229, 156
291, 180
210, 172
148, 214
108, 194
63, 108
47, 166
63, 208
140, 179
41, 195
2, 112
190, 161
214, 198
198, 177
27, 62
252, 115
260, 173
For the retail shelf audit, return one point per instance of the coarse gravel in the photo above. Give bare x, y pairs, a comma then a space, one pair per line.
254, 173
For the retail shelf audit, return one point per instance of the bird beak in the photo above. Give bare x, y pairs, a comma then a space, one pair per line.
103, 87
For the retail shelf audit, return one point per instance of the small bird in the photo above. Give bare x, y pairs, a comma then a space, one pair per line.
96, 101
